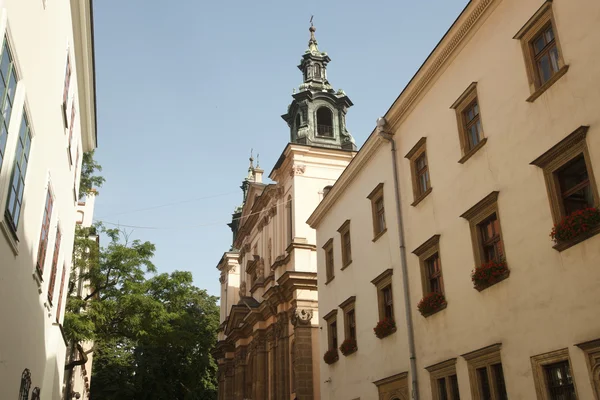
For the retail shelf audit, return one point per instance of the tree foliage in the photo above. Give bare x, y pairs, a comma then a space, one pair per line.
89, 181
152, 333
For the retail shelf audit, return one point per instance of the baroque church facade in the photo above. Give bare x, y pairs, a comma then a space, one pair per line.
268, 344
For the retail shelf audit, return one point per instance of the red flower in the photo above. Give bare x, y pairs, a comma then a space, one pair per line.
489, 272
575, 224
384, 327
348, 346
431, 303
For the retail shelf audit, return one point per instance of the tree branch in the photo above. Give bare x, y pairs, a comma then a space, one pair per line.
82, 361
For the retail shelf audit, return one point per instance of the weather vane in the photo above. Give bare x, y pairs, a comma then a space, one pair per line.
311, 18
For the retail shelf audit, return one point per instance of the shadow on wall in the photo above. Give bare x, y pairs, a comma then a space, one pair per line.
27, 325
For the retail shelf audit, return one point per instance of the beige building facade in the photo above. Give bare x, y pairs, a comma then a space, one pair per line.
495, 140
269, 336
48, 121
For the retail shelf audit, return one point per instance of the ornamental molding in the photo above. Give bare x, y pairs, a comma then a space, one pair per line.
301, 316
297, 169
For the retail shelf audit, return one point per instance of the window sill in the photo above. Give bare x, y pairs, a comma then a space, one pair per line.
380, 234
561, 246
484, 286
346, 265
538, 92
474, 150
443, 307
350, 352
317, 136
37, 277
421, 197
329, 280
11, 236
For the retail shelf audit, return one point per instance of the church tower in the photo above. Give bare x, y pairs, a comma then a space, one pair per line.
317, 114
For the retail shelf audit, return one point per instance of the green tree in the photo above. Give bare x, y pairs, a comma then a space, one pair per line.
89, 181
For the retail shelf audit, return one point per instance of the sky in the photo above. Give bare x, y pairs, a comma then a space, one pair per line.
184, 92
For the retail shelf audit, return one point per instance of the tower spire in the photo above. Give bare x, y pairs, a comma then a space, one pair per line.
312, 43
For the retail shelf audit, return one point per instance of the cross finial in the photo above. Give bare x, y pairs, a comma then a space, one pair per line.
311, 18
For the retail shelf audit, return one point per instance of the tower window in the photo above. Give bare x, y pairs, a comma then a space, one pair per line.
324, 122
317, 71
298, 121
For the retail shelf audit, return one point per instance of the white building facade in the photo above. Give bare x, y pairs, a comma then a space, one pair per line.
48, 121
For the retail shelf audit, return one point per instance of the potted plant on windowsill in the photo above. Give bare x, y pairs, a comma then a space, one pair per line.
349, 346
331, 356
576, 227
489, 273
385, 327
432, 303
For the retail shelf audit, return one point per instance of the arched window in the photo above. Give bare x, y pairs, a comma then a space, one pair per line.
289, 220
25, 385
324, 122
35, 394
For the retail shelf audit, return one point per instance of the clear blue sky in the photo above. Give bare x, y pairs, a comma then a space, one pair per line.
186, 88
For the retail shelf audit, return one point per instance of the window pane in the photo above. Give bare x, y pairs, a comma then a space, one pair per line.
538, 44
554, 58
5, 63
549, 34
544, 68
500, 386
484, 384
473, 136
574, 185
454, 387
442, 392
560, 381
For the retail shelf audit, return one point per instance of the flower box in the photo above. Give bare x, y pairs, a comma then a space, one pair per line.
385, 327
576, 227
349, 346
489, 273
432, 303
331, 356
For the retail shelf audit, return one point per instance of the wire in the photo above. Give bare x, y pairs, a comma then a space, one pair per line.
169, 204
184, 227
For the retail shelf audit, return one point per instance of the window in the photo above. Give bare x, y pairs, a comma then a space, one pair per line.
569, 179
486, 376
331, 319
344, 231
444, 382
70, 144
592, 353
52, 282
431, 265
60, 296
25, 384
552, 376
420, 171
17, 182
66, 88
385, 300
349, 318
290, 218
41, 257
329, 261
378, 211
324, 122
317, 71
541, 49
298, 121
486, 235
8, 85
468, 116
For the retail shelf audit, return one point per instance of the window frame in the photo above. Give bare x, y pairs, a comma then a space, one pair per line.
329, 261
478, 214
425, 252
328, 133
376, 196
443, 370
60, 296
381, 282
54, 268
487, 358
348, 306
45, 228
419, 150
12, 70
538, 367
346, 247
330, 319
460, 106
592, 357
538, 23
551, 162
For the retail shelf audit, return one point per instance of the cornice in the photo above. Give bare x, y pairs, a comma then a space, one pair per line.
451, 41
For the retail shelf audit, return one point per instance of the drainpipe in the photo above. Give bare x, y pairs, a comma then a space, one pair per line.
407, 306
